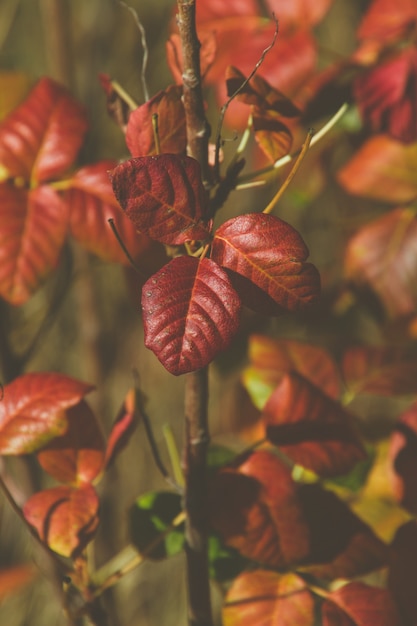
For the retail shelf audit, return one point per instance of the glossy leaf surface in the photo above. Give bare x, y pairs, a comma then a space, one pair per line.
190, 313
33, 410
168, 106
33, 228
357, 604
261, 597
91, 204
77, 456
311, 428
382, 371
122, 428
384, 255
41, 138
270, 359
65, 517
163, 196
271, 254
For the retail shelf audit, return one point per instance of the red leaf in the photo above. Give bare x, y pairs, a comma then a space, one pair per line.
77, 456
261, 597
256, 510
217, 9
41, 138
382, 371
122, 429
163, 196
66, 518
270, 360
382, 169
302, 12
403, 572
403, 455
270, 253
357, 604
311, 428
118, 108
32, 410
34, 224
386, 20
168, 106
190, 313
384, 255
91, 204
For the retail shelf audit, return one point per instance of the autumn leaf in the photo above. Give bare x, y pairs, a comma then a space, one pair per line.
190, 313
32, 411
65, 517
77, 456
163, 196
271, 254
403, 457
357, 604
263, 597
311, 428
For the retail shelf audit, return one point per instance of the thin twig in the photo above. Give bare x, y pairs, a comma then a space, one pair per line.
144, 48
290, 157
292, 173
233, 96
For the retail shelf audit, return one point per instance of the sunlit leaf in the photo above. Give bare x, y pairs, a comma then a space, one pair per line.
403, 456
271, 254
32, 410
311, 428
122, 429
273, 136
270, 359
163, 196
384, 255
65, 517
190, 313
77, 456
256, 510
382, 371
91, 204
403, 571
168, 106
357, 604
41, 138
382, 169
262, 597
33, 228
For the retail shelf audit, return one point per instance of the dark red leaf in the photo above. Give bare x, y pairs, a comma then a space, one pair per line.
384, 255
168, 106
256, 510
382, 371
262, 597
34, 225
403, 456
163, 196
403, 572
271, 254
65, 517
357, 604
77, 456
91, 204
190, 313
117, 107
311, 428
41, 138
32, 410
123, 428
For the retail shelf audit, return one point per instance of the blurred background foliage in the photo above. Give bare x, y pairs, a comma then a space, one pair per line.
96, 331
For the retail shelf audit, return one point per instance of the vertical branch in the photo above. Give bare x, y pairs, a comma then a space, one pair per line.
195, 499
198, 128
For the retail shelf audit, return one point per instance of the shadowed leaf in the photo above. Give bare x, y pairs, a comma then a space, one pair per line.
403, 456
261, 597
311, 428
78, 455
32, 410
190, 313
271, 254
65, 517
357, 604
34, 225
403, 572
163, 196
